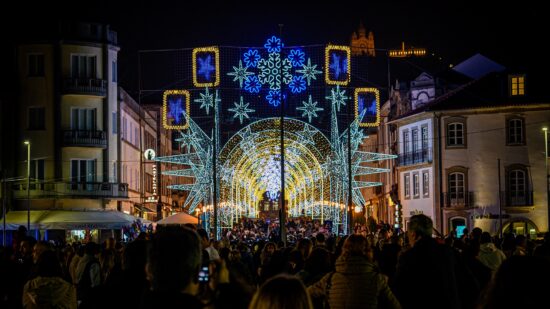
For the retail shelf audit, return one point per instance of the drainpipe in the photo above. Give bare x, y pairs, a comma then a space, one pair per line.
440, 171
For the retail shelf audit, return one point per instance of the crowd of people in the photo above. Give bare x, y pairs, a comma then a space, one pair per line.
183, 267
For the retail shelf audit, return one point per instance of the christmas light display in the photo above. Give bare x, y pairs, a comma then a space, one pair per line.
337, 65
241, 110
367, 103
240, 74
309, 71
309, 109
206, 67
175, 106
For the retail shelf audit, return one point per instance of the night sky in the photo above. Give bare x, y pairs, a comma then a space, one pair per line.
453, 30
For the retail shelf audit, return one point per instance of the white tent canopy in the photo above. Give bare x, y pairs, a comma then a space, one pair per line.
179, 218
70, 220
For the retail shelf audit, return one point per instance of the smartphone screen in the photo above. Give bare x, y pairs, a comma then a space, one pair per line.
203, 274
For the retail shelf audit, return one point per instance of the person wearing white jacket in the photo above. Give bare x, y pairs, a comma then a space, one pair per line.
489, 254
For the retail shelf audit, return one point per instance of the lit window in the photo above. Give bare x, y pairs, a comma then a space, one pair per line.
407, 186
426, 183
416, 185
517, 85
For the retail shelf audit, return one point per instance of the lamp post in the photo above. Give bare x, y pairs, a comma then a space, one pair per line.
28, 143
545, 130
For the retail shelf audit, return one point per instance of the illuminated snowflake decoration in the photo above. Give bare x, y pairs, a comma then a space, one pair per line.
297, 85
252, 84
206, 100
241, 110
297, 57
309, 71
274, 97
274, 45
309, 109
270, 71
240, 73
251, 58
205, 67
337, 97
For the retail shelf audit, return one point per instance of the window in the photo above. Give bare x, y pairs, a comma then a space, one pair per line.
407, 186
115, 71
515, 131
37, 173
517, 85
83, 171
124, 128
124, 173
83, 66
136, 137
406, 142
424, 137
416, 185
114, 122
414, 140
36, 118
455, 134
426, 183
456, 188
83, 119
35, 65
517, 186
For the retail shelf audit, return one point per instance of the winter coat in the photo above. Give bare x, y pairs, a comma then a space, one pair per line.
49, 292
356, 283
491, 256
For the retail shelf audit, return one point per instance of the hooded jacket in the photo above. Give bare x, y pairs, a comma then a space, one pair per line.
491, 256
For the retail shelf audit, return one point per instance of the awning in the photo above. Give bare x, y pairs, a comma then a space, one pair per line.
179, 218
70, 220
144, 208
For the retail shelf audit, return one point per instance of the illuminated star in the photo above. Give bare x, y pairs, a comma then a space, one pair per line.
240, 73
310, 108
307, 135
241, 110
337, 97
205, 67
309, 71
176, 110
206, 100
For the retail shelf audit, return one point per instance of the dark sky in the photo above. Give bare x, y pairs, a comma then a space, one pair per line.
454, 30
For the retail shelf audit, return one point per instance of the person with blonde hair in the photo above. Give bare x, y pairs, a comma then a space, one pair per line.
280, 292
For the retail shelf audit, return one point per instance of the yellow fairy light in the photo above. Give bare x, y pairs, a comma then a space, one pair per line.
187, 96
211, 49
377, 96
345, 49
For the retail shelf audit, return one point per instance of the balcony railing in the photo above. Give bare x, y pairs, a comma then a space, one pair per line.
72, 190
84, 138
423, 155
456, 199
517, 198
86, 86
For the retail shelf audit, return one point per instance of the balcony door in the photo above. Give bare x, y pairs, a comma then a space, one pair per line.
83, 119
518, 187
83, 173
83, 66
456, 189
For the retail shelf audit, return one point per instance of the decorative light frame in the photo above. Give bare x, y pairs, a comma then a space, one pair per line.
377, 98
345, 49
210, 49
187, 96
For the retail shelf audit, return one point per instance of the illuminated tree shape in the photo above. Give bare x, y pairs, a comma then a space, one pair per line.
176, 109
270, 71
252, 84
309, 71
205, 66
337, 97
297, 57
274, 45
297, 85
274, 97
206, 100
241, 110
251, 58
309, 108
240, 73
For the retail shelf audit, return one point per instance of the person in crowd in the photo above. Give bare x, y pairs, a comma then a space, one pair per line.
489, 254
304, 245
280, 292
317, 265
521, 245
433, 267
356, 281
387, 260
544, 248
48, 289
320, 237
207, 245
88, 276
173, 262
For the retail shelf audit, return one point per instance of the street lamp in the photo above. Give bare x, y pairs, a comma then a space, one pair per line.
545, 130
28, 143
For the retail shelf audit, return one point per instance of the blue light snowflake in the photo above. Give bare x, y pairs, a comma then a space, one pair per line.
271, 71
205, 67
251, 58
176, 109
252, 84
297, 85
240, 73
335, 65
337, 97
309, 108
206, 100
297, 57
274, 97
309, 71
241, 110
274, 45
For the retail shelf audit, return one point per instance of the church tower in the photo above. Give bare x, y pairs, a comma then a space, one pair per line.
361, 44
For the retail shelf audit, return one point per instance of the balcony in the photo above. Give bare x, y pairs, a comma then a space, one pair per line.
84, 138
85, 86
72, 190
416, 157
517, 198
459, 200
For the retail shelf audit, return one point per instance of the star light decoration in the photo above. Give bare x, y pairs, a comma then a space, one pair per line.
309, 109
240, 73
241, 110
337, 97
206, 61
